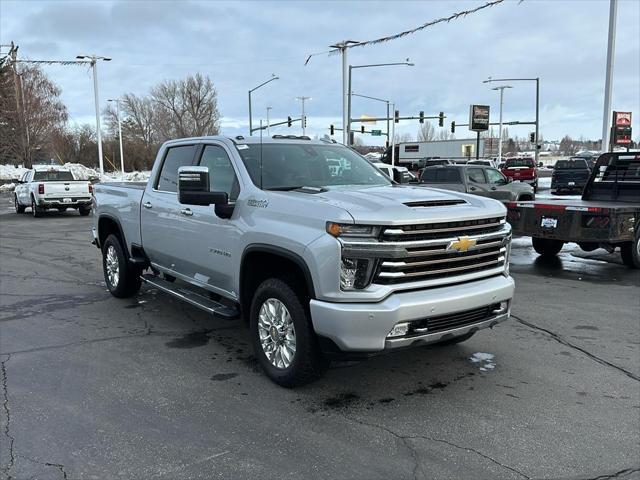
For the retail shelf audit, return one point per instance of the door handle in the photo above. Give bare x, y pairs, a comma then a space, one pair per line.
147, 205
493, 188
472, 188
186, 211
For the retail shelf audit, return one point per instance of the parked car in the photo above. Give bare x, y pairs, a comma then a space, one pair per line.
523, 169
50, 187
607, 216
570, 176
486, 163
396, 173
478, 180
319, 265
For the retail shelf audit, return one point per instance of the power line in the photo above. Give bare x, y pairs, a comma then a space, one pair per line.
389, 38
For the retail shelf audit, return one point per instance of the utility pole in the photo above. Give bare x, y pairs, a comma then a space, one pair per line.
343, 47
93, 61
608, 83
117, 100
501, 88
268, 124
304, 120
393, 139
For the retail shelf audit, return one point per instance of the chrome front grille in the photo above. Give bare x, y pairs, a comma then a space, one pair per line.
425, 252
429, 253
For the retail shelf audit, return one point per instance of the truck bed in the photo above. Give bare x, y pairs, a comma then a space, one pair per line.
121, 201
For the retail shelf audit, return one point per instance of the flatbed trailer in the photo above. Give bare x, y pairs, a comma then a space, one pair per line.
607, 216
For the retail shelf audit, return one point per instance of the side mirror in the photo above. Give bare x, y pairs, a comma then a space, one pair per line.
509, 179
193, 188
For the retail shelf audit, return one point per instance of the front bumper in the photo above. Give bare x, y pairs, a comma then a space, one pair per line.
363, 327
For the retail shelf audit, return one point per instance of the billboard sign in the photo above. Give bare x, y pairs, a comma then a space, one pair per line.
478, 118
621, 128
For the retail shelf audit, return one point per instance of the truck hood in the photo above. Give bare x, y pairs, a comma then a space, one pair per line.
387, 205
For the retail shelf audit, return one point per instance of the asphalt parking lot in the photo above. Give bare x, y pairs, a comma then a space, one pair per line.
97, 388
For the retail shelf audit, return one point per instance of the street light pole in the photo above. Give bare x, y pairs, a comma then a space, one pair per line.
393, 141
537, 122
117, 100
351, 67
273, 77
343, 47
501, 88
608, 83
302, 118
93, 61
379, 100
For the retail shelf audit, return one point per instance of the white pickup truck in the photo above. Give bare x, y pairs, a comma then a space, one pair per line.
48, 186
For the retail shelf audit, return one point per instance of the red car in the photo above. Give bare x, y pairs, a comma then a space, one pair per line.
523, 169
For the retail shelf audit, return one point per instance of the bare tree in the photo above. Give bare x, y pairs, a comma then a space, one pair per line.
186, 108
426, 133
403, 137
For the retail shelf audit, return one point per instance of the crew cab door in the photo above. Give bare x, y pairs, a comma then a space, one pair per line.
477, 182
161, 223
209, 240
499, 187
22, 189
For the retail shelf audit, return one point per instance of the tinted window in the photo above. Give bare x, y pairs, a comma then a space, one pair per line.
494, 176
475, 175
441, 175
222, 177
519, 162
576, 163
175, 158
53, 176
411, 148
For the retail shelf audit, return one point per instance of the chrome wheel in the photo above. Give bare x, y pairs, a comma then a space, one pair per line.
277, 333
113, 267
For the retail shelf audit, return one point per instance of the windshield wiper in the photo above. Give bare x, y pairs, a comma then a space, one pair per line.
284, 189
300, 188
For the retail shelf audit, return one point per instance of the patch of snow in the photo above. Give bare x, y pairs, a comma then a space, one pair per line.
7, 187
11, 172
484, 360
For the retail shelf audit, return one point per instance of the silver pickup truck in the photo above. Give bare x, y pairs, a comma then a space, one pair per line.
321, 263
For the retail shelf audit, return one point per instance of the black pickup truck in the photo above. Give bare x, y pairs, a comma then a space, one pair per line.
570, 176
607, 216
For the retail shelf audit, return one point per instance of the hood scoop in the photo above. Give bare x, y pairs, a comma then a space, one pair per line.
434, 203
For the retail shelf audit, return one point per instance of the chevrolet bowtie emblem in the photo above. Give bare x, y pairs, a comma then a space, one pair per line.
462, 244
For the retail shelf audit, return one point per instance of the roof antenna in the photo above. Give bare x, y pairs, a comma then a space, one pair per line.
260, 154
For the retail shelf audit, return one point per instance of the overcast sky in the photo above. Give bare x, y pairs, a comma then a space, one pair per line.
240, 44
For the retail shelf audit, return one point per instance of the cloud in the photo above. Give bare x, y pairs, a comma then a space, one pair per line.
240, 44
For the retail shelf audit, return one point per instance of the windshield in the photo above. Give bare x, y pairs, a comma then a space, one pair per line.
287, 166
519, 162
53, 176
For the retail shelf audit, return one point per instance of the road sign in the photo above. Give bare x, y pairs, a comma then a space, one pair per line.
478, 118
376, 133
621, 128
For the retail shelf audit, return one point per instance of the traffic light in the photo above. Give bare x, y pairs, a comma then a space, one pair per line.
362, 129
332, 130
532, 137
289, 121
304, 121
421, 117
453, 127
396, 116
441, 119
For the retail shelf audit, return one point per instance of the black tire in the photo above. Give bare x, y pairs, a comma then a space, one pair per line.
455, 340
535, 188
19, 208
84, 211
35, 210
630, 252
547, 247
308, 363
128, 281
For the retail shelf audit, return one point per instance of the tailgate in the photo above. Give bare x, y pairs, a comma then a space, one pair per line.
66, 189
569, 222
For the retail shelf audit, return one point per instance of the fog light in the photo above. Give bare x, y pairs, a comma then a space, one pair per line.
504, 308
399, 330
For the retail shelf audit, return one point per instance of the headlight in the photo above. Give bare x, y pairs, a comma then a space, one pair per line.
355, 273
346, 230
507, 254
